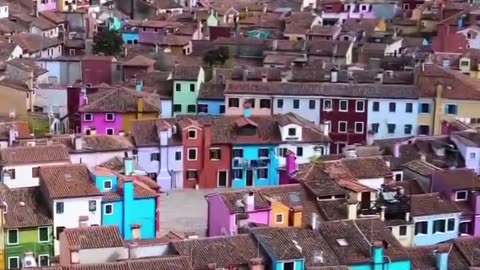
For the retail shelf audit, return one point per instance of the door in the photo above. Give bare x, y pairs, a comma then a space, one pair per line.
222, 179
249, 178
365, 203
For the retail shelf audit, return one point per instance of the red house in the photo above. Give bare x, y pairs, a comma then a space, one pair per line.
98, 69
448, 39
346, 119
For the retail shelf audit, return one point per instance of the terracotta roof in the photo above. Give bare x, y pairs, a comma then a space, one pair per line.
21, 127
140, 190
211, 90
53, 16
298, 22
321, 30
34, 43
140, 61
455, 179
431, 204
96, 143
152, 23
157, 263
14, 84
28, 65
230, 198
466, 248
7, 26
43, 24
424, 257
367, 167
25, 207
186, 73
333, 209
121, 100
469, 137
317, 180
421, 167
67, 181
174, 40
165, 4
343, 177
6, 50
225, 251
93, 237
36, 154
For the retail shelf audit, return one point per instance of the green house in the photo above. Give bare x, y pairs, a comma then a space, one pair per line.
27, 229
186, 84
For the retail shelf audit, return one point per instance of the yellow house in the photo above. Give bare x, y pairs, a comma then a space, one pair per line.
285, 216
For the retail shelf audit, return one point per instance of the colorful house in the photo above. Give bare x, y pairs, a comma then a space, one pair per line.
211, 100
186, 85
27, 229
122, 195
111, 112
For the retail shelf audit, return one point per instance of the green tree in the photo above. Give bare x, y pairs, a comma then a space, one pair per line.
108, 43
220, 55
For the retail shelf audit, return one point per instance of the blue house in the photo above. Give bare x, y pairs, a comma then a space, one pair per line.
211, 100
254, 165
130, 37
434, 224
127, 203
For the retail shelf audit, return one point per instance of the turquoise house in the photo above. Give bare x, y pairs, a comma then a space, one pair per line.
254, 166
211, 106
126, 203
130, 37
380, 261
114, 23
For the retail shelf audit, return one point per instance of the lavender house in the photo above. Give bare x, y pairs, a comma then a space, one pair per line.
159, 152
230, 211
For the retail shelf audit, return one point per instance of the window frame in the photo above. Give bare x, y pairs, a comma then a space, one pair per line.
194, 132
394, 107
435, 222
175, 106
213, 150
8, 237
191, 178
111, 119
363, 128
18, 262
448, 224
189, 108
57, 207
340, 124
324, 107
290, 133
43, 256
111, 184
110, 131
447, 109
263, 170
188, 154
282, 218
233, 100
192, 87
405, 129
178, 87
363, 105
39, 234
280, 103
177, 152
421, 233
262, 106
340, 105
459, 192
85, 117
105, 209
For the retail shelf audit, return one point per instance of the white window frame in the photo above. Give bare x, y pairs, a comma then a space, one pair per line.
340, 105
85, 117
470, 155
110, 120
111, 184
8, 240
13, 257
44, 255
454, 224
406, 6
281, 215
188, 154
346, 126
48, 234
105, 209
112, 129
363, 128
71, 52
329, 125
218, 177
324, 108
191, 179
461, 200
356, 106
188, 134
215, 148
406, 232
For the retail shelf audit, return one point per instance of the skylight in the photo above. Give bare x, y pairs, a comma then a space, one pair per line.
342, 242
294, 197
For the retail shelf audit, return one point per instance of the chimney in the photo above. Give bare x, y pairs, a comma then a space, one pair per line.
284, 75
314, 221
83, 97
128, 166
352, 209
247, 109
350, 152
441, 256
249, 201
139, 86
333, 75
132, 250
83, 221
245, 73
163, 134
256, 264
74, 255
78, 142
136, 231
274, 45
382, 212
264, 77
407, 216
326, 129
377, 252
12, 136
291, 164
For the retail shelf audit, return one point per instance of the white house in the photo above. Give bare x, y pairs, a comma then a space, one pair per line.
38, 46
472, 34
43, 27
20, 165
468, 143
4, 10
73, 198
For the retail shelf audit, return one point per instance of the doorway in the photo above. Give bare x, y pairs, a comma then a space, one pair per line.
249, 178
222, 177
365, 203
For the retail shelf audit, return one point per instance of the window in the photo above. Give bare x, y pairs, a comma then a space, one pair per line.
464, 228
110, 117
215, 154
464, 63
44, 260
192, 154
250, 101
108, 209
451, 109
154, 156
222, 109
408, 129
282, 152
451, 225
178, 87
343, 105
238, 153
327, 104
152, 175
376, 106
110, 131
12, 236
88, 117
92, 205
391, 128
406, 6
359, 127
279, 218
296, 103
403, 230
191, 108
192, 174
178, 155
461, 196
311, 104
423, 129
439, 226
279, 103
392, 107
421, 227
424, 108
192, 134
408, 107
265, 103
59, 207
177, 107
263, 173
398, 177
35, 172
292, 132
43, 234
237, 173
360, 106
472, 155
299, 151
11, 173
59, 230
263, 153
192, 87
107, 184
342, 127
233, 102
289, 266
13, 263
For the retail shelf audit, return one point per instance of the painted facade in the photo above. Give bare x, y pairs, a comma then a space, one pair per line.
103, 123
130, 37
254, 166
20, 241
210, 106
185, 93
430, 236
308, 108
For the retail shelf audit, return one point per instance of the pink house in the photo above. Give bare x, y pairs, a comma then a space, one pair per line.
230, 211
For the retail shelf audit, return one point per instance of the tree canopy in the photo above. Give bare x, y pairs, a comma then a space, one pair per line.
108, 43
214, 56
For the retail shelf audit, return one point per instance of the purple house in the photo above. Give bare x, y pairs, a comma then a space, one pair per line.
287, 173
150, 32
230, 211
461, 186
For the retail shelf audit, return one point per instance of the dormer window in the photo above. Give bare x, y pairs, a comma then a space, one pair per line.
292, 132
192, 134
461, 195
107, 184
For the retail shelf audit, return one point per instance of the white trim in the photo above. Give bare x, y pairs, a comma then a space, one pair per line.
356, 106
48, 234
194, 132
109, 120
13, 257
8, 238
283, 218
105, 209
188, 154
363, 128
294, 264
346, 127
324, 108
460, 200
340, 105
193, 170
111, 184
44, 255
328, 124
218, 178
214, 148
85, 117
112, 129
